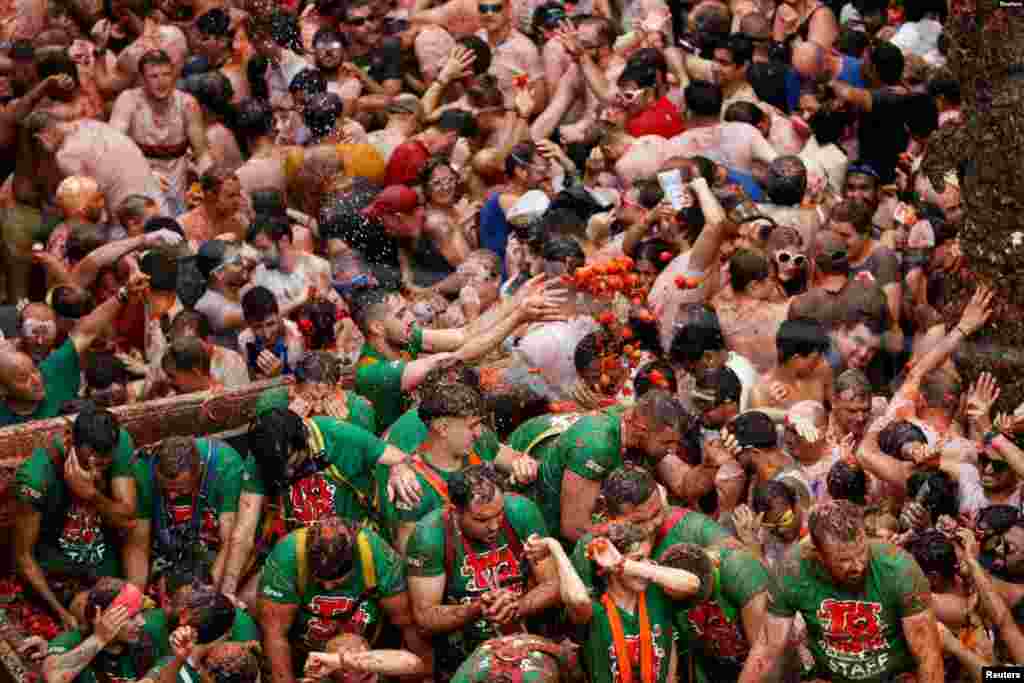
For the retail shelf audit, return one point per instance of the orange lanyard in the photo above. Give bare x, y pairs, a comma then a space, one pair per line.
619, 641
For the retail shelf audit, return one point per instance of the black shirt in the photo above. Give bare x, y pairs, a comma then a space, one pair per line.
883, 135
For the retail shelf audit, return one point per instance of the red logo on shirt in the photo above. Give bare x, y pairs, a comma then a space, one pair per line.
494, 567
312, 499
851, 626
326, 624
721, 637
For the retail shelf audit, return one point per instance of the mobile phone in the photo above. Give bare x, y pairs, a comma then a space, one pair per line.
253, 350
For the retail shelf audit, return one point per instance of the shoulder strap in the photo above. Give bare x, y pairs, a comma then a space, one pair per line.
302, 559
449, 540
319, 444
433, 478
671, 520
366, 560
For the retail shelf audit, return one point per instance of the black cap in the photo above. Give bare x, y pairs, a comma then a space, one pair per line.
459, 120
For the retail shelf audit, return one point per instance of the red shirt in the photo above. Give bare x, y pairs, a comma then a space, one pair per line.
661, 117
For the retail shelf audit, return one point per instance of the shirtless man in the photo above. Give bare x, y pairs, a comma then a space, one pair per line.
751, 309
135, 18
265, 167
802, 373
220, 212
212, 38
164, 122
66, 104
81, 203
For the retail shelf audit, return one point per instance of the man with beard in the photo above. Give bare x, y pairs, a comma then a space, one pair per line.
66, 500
469, 577
867, 606
851, 408
165, 123
996, 479
37, 324
135, 22
390, 364
286, 270
802, 373
586, 453
226, 273
221, 211
119, 642
272, 344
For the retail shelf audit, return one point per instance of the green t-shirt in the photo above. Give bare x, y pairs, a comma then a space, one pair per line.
62, 378
537, 436
72, 539
492, 564
534, 667
693, 527
351, 607
853, 636
127, 666
599, 649
713, 629
380, 379
224, 471
407, 434
243, 630
344, 488
591, 448
360, 412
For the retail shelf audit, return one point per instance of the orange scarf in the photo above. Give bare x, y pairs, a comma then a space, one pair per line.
647, 673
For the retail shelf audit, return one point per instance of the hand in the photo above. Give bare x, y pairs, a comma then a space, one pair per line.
915, 516
1009, 424
235, 600
778, 392
183, 641
461, 153
59, 84
269, 364
567, 36
458, 66
322, 664
163, 238
585, 396
109, 623
540, 300
538, 549
848, 450
600, 224
525, 469
501, 606
978, 310
806, 430
81, 52
524, 102
553, 152
33, 648
138, 287
721, 450
984, 394
604, 553
81, 481
748, 525
404, 485
969, 542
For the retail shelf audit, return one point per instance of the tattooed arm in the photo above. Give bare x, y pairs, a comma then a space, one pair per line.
66, 667
767, 653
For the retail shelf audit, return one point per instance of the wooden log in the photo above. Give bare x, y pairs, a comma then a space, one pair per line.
199, 414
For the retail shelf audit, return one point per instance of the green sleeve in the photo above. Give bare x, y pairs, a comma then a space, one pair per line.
280, 578
742, 576
486, 447
525, 517
35, 479
784, 589
415, 346
229, 476
144, 487
244, 629
252, 482
914, 588
353, 450
124, 456
407, 432
64, 643
156, 627
701, 530
381, 382
62, 375
588, 449
425, 550
389, 566
361, 413
582, 564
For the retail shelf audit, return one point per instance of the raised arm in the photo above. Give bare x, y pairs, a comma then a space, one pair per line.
678, 581
573, 591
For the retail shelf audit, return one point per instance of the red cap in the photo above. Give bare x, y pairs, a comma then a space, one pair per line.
397, 207
406, 162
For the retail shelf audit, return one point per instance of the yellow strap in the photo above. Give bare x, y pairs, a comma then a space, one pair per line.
301, 560
546, 434
366, 559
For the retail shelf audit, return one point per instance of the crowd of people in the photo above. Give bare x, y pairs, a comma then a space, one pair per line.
620, 338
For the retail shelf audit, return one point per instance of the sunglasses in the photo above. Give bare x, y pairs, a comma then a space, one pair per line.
494, 8
998, 466
784, 257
